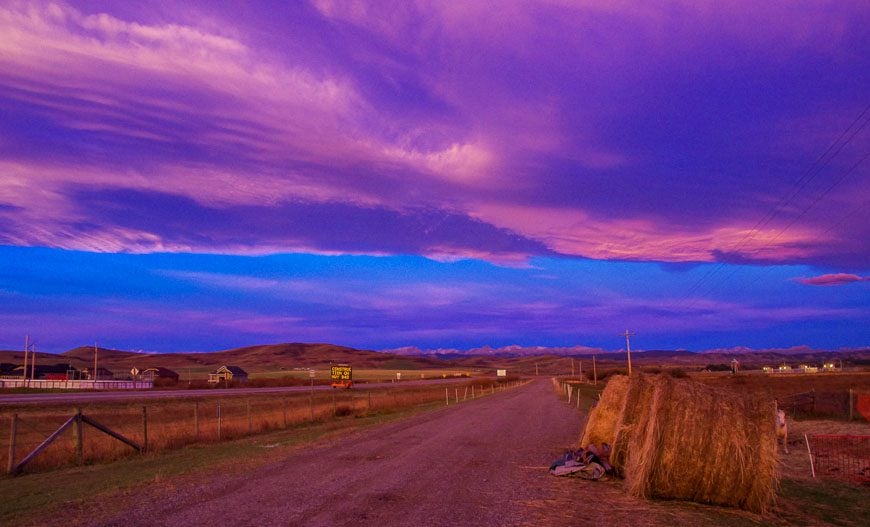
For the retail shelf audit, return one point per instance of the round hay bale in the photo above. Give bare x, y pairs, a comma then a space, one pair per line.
680, 439
700, 444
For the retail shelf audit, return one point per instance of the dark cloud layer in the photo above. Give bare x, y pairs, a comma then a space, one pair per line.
333, 227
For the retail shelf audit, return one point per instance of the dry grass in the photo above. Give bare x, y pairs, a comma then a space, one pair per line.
175, 423
782, 385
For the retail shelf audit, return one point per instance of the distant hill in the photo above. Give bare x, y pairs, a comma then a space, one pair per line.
517, 359
270, 357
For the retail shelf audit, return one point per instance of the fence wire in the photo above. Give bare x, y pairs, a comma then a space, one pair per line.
841, 456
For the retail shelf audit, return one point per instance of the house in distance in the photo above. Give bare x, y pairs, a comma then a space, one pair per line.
228, 374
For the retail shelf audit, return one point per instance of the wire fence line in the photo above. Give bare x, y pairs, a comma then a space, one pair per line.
172, 424
815, 404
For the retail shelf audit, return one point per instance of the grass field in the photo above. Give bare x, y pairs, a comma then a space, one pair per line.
98, 487
168, 424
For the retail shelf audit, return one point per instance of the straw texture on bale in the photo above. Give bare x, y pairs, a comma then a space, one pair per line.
604, 417
680, 439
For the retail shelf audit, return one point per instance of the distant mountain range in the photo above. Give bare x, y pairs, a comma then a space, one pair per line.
584, 351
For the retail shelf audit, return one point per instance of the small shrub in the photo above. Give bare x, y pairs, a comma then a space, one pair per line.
677, 373
343, 411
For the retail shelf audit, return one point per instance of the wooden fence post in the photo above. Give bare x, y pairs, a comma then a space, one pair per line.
219, 420
12, 435
144, 428
370, 400
334, 410
250, 419
851, 404
196, 421
79, 436
284, 411
446, 397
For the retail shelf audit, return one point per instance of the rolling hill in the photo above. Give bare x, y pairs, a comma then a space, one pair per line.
547, 361
270, 357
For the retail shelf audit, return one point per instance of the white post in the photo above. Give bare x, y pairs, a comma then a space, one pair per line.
446, 397
812, 467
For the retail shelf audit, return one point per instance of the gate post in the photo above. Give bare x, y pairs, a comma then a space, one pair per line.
78, 427
12, 428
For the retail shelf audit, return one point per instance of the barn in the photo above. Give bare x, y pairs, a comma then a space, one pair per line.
158, 372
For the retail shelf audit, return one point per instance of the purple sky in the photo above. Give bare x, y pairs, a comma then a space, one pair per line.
439, 174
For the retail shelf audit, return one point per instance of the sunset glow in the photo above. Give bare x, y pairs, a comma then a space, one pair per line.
434, 174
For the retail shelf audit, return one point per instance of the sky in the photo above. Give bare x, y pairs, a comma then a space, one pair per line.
196, 176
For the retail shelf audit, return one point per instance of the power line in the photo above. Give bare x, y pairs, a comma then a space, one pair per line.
818, 198
832, 151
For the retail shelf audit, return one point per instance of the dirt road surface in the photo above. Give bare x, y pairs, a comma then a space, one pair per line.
482, 462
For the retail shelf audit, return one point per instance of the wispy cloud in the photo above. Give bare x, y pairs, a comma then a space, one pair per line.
832, 279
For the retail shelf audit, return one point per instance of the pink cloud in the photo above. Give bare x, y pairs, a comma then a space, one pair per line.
832, 279
572, 232
528, 95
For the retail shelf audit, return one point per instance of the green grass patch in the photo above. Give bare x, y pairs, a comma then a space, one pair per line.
823, 501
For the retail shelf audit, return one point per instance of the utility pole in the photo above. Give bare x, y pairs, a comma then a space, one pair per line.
628, 348
594, 372
572, 366
26, 349
95, 365
33, 363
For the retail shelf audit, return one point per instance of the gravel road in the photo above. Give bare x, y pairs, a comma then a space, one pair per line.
482, 462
